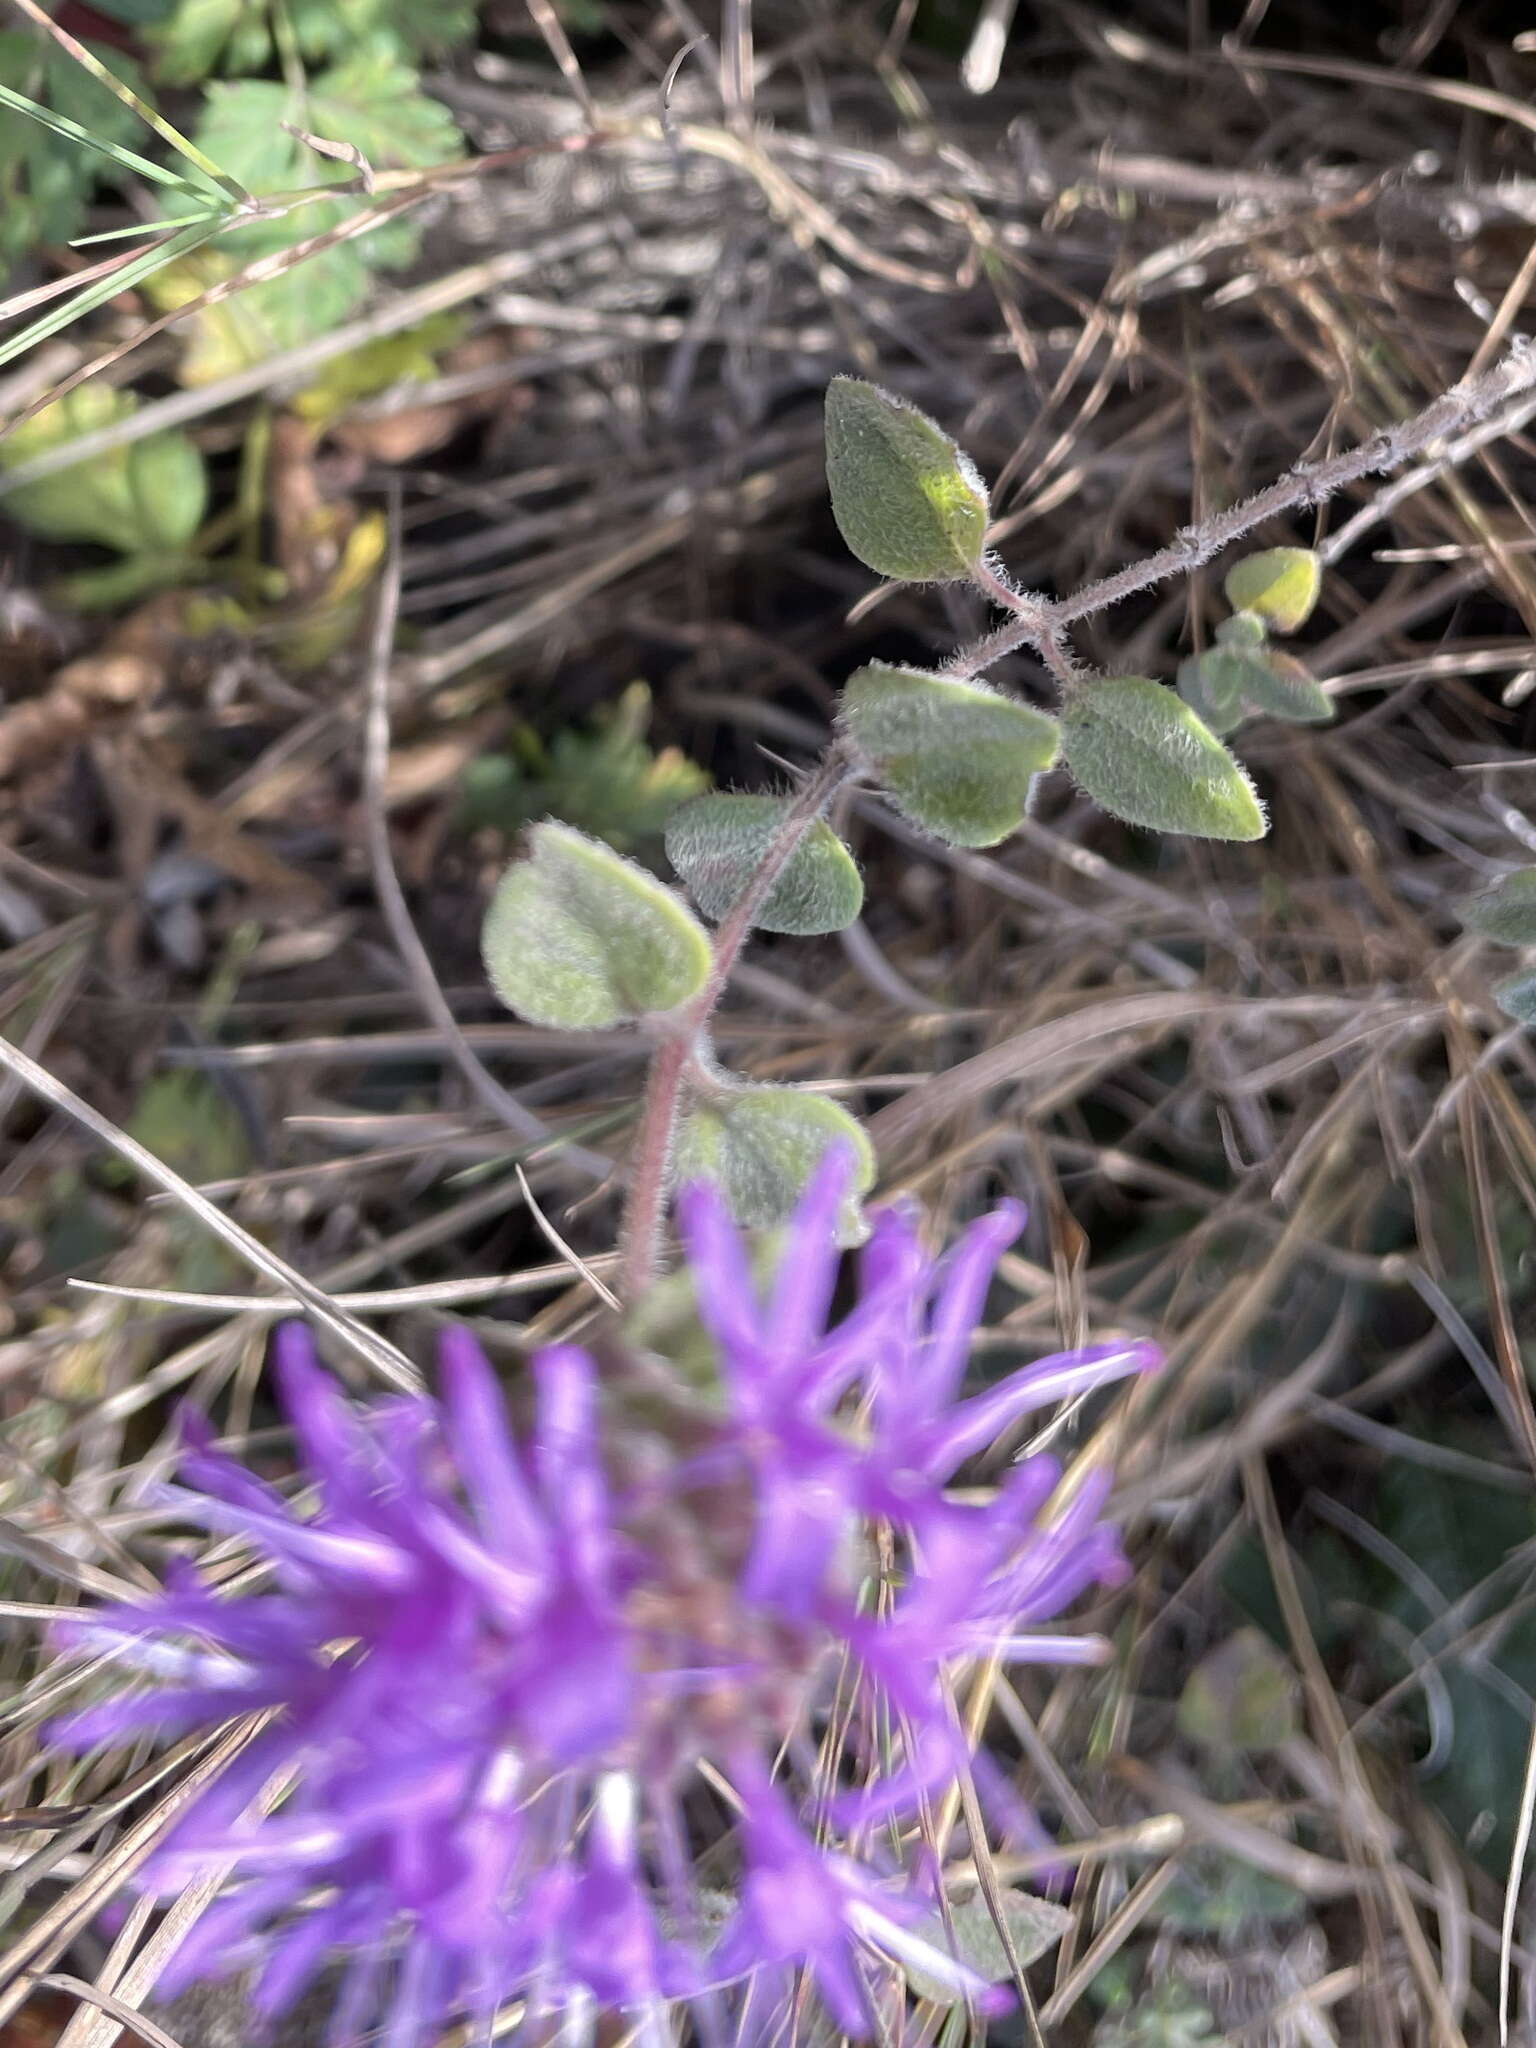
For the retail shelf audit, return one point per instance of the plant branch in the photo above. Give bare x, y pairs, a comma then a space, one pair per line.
1033, 613
1044, 621
683, 1032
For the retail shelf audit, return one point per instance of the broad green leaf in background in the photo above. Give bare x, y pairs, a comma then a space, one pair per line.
1451, 1595
370, 101
260, 321
603, 778
1208, 683
1457, 1534
363, 372
1170, 2016
1517, 998
186, 1120
194, 38
150, 495
393, 28
578, 938
1141, 752
906, 499
1035, 1925
47, 179
955, 757
717, 842
760, 1145
134, 13
1281, 585
1505, 911
376, 102
197, 37
1243, 1696
1282, 687
1223, 1895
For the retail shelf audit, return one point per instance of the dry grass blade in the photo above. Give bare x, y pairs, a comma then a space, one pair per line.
577, 1264
51, 1932
381, 1357
1261, 1102
290, 366
1515, 1883
262, 270
483, 1085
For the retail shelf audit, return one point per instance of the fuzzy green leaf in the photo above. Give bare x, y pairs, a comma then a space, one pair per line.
1281, 585
908, 502
1035, 1925
1517, 998
1208, 683
1244, 630
955, 757
1145, 756
1505, 912
761, 1146
579, 938
717, 843
1282, 687
1226, 683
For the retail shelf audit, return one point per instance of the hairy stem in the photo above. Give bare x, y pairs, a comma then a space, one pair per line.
1042, 622
681, 1035
1033, 613
648, 1168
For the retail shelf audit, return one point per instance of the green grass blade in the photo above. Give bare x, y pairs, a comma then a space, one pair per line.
143, 265
125, 159
208, 171
147, 227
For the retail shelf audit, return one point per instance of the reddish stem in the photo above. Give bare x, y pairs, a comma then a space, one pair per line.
680, 1036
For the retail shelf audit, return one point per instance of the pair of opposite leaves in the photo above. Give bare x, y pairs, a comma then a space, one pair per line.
579, 939
910, 504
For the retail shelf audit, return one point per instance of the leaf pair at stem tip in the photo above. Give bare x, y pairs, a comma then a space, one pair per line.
958, 758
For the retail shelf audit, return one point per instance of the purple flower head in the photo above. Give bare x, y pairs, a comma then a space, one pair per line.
497, 1683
